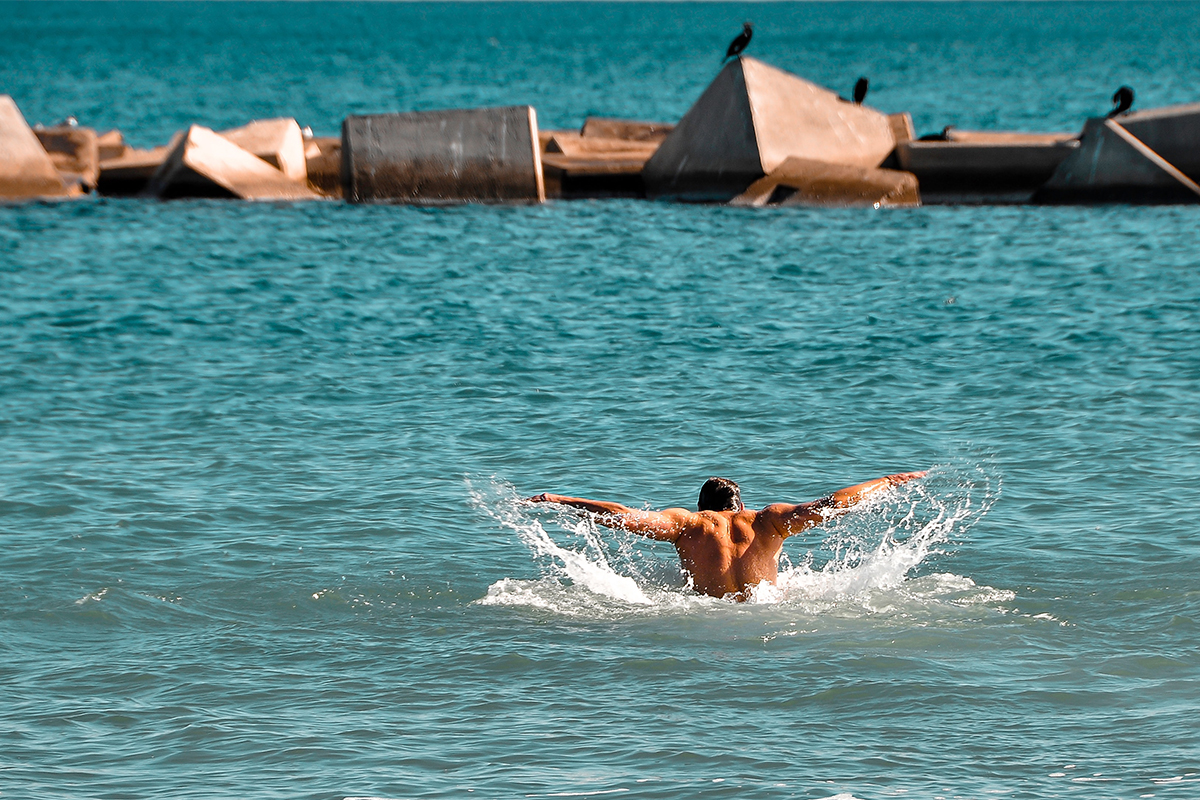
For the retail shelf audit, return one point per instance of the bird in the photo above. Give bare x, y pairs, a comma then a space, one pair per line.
860, 90
740, 41
1122, 101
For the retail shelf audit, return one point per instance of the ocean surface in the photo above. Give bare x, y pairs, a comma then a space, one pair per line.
260, 464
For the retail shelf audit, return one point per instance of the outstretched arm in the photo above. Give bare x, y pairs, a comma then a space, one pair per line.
794, 519
663, 525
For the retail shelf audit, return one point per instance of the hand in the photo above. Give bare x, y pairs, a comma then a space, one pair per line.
544, 497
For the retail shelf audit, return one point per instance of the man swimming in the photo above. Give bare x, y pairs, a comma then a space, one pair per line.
725, 547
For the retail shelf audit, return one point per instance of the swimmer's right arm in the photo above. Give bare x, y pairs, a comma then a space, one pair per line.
662, 525
594, 506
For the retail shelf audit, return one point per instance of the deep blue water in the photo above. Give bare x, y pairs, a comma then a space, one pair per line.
258, 536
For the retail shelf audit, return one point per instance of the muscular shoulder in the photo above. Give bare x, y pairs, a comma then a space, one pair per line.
676, 522
680, 515
783, 519
667, 525
776, 511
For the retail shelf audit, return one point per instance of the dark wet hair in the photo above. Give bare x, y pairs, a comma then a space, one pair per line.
720, 494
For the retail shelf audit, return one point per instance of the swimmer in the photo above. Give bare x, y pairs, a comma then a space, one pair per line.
725, 547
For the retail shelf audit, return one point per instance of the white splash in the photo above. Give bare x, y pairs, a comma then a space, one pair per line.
590, 570
879, 544
864, 561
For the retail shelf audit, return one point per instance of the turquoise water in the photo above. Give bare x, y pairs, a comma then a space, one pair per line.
257, 499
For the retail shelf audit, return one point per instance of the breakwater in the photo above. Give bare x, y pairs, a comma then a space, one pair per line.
756, 136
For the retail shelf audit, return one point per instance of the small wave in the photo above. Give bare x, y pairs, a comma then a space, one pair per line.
866, 560
93, 597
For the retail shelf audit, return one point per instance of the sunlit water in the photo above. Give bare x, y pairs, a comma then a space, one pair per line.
259, 496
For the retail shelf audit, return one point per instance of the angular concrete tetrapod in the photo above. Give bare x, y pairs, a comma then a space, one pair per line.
991, 172
75, 152
484, 155
1173, 132
802, 181
205, 164
26, 170
278, 142
1113, 166
748, 121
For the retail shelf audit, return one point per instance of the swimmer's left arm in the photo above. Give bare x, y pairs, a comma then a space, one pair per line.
798, 518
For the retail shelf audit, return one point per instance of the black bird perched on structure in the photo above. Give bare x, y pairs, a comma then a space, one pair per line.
1122, 101
860, 90
739, 43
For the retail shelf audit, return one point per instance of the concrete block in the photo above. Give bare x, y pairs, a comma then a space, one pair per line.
609, 128
111, 144
1172, 132
603, 175
579, 146
129, 173
980, 172
1112, 165
546, 136
802, 181
951, 134
26, 171
323, 162
279, 142
902, 127
75, 152
752, 118
575, 166
486, 155
205, 164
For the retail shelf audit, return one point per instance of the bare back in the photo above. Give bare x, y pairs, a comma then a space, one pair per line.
727, 552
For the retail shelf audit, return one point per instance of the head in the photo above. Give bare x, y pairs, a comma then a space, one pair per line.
720, 494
